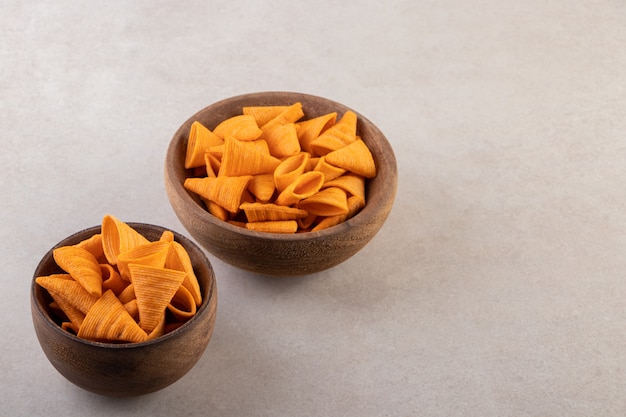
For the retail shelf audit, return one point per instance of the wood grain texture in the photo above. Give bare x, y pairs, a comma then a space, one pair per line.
276, 254
126, 369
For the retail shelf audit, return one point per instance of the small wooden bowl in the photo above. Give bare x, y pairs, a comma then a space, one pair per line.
128, 369
272, 253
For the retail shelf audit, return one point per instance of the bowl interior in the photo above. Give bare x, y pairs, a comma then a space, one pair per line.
380, 191
125, 369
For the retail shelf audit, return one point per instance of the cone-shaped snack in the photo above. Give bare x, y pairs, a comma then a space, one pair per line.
182, 306
167, 236
353, 184
282, 140
160, 329
132, 309
337, 136
306, 222
262, 186
304, 186
69, 289
330, 201
330, 171
225, 191
70, 327
290, 169
201, 139
151, 253
245, 158
111, 279
108, 320
82, 266
354, 205
216, 210
127, 294
118, 237
217, 151
308, 130
154, 289
261, 146
261, 212
291, 114
93, 245
74, 315
355, 157
208, 165
212, 164
241, 127
263, 114
279, 226
179, 260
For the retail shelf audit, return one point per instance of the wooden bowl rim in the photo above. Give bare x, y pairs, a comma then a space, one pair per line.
186, 242
390, 170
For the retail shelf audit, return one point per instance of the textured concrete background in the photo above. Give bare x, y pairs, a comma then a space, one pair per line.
497, 286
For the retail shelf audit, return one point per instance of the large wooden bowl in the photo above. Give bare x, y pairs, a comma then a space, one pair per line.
128, 369
271, 253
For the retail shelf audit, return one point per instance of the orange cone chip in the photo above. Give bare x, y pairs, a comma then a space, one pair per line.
305, 222
127, 294
179, 260
262, 186
261, 212
182, 306
291, 114
225, 191
212, 164
201, 139
68, 289
161, 328
74, 315
243, 127
93, 245
282, 140
309, 130
279, 226
330, 201
167, 236
245, 158
351, 183
216, 210
69, 327
354, 205
118, 237
355, 157
132, 309
154, 289
217, 151
151, 253
304, 186
109, 321
111, 279
263, 114
82, 266
337, 136
290, 169
330, 171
